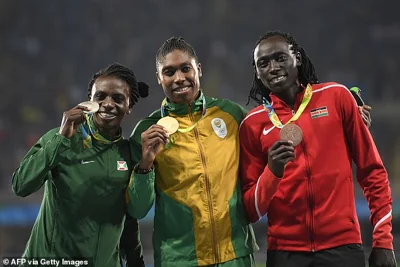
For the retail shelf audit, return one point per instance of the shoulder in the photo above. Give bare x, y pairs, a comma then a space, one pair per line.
228, 106
145, 123
329, 87
254, 115
225, 104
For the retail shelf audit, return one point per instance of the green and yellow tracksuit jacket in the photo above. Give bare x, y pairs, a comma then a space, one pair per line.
83, 209
199, 216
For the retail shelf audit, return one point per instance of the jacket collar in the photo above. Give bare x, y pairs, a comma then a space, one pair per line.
183, 109
277, 101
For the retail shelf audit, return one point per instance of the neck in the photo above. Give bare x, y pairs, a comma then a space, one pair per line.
289, 95
107, 133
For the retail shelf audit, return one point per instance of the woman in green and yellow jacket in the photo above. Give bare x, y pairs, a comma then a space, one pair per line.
192, 172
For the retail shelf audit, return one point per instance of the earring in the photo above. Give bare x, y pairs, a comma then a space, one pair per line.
129, 111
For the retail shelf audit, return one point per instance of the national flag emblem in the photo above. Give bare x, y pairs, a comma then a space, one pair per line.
122, 166
319, 112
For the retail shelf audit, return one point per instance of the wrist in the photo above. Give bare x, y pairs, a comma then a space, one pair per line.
143, 168
277, 173
143, 164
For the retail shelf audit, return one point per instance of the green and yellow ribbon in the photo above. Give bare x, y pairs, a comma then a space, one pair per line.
87, 137
274, 117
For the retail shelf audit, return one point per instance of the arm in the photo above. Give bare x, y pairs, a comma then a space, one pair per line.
259, 184
140, 192
130, 245
33, 171
371, 173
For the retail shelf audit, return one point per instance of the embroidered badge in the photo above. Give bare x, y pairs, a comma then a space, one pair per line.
122, 166
319, 112
219, 127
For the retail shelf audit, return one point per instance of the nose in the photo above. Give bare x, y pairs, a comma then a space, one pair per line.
108, 103
274, 66
179, 77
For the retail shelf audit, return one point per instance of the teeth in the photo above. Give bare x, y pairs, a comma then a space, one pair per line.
181, 90
277, 79
106, 115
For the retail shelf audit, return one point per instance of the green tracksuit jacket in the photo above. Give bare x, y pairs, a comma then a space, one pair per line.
83, 208
199, 216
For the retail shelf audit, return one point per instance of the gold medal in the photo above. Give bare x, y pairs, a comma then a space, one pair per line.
92, 106
291, 132
169, 123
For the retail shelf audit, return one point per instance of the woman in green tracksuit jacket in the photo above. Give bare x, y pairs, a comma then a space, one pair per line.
199, 217
85, 167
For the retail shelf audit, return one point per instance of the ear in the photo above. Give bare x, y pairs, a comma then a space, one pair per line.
199, 69
298, 59
158, 78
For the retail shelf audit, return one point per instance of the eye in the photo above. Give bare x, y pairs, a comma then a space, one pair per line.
282, 57
98, 95
263, 64
186, 69
169, 73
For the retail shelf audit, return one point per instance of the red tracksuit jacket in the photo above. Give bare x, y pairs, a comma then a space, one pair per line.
312, 206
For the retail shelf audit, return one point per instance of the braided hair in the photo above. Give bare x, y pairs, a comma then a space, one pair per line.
174, 43
137, 89
306, 69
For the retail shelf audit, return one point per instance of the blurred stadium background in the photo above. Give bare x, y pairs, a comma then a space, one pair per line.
50, 49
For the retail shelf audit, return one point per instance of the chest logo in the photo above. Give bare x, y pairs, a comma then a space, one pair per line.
219, 127
319, 112
122, 166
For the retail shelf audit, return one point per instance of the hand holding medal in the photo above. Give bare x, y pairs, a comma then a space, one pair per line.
153, 140
75, 116
282, 151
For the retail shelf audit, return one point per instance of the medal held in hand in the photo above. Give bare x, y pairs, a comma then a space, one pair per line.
291, 132
92, 106
170, 124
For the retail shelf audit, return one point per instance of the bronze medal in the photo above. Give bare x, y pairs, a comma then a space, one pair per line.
291, 132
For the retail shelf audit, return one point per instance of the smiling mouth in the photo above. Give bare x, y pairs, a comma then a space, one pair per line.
278, 78
107, 116
182, 89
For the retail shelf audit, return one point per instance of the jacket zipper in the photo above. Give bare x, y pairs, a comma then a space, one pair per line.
208, 189
310, 198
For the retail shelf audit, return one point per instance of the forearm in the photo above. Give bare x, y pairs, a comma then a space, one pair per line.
34, 168
140, 194
258, 197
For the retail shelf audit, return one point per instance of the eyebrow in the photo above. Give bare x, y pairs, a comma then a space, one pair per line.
175, 67
266, 57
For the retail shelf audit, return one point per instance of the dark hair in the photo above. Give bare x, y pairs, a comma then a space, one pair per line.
137, 89
174, 43
306, 69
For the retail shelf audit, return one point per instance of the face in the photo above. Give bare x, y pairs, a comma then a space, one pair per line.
179, 74
276, 64
112, 94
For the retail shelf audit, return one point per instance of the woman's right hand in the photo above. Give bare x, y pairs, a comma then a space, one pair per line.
71, 121
153, 140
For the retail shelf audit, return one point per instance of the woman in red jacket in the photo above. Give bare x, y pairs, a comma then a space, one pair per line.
297, 149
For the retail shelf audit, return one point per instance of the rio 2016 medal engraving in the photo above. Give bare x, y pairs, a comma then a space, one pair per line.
291, 132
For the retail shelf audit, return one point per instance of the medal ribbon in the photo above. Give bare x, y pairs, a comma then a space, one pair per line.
274, 117
188, 129
87, 138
